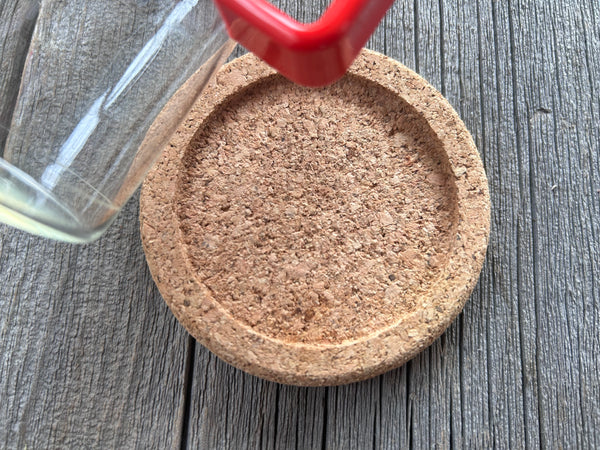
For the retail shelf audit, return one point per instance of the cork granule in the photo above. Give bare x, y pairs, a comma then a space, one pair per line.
316, 215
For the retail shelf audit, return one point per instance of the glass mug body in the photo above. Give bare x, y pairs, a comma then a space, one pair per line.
69, 166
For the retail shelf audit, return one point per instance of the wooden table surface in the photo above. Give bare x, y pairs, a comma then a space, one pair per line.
90, 356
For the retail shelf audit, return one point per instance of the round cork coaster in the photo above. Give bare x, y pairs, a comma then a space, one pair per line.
317, 236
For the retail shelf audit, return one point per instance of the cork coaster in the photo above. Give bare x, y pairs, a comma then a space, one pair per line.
317, 236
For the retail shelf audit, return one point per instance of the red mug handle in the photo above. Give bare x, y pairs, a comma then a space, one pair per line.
312, 54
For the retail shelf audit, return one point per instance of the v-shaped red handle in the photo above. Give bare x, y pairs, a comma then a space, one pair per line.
313, 54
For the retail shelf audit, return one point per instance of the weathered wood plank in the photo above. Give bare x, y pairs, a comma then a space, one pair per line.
509, 277
89, 354
17, 20
457, 69
301, 416
558, 130
228, 408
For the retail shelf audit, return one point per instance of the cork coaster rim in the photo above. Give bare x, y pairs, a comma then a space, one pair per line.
323, 363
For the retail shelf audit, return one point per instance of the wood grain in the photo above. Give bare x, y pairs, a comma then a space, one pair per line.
89, 354
81, 326
17, 20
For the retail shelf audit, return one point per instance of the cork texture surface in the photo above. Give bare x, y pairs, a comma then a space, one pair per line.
317, 236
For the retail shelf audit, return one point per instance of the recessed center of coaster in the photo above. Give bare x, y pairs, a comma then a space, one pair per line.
316, 216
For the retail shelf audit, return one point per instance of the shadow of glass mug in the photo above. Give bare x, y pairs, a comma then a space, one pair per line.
71, 161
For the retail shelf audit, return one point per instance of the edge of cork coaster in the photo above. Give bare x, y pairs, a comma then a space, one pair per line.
312, 362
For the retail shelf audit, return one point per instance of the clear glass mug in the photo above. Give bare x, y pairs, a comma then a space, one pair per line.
66, 175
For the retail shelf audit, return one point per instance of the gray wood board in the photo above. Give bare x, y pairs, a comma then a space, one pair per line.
90, 357
17, 20
89, 354
86, 340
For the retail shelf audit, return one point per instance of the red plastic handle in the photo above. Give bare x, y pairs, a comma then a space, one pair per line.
313, 54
